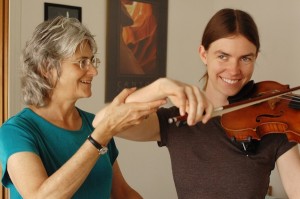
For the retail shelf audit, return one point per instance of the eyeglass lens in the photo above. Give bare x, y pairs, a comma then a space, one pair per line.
84, 63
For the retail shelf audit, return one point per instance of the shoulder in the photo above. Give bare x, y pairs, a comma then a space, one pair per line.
19, 133
23, 119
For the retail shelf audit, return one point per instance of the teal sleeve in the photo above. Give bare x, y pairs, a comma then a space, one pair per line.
13, 139
113, 151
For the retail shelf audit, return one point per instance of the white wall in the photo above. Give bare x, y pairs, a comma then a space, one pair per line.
145, 166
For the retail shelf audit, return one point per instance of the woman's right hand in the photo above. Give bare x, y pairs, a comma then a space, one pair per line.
119, 116
188, 98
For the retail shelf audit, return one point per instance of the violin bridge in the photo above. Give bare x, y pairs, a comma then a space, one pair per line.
272, 102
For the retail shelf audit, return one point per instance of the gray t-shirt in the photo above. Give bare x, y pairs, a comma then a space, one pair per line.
206, 164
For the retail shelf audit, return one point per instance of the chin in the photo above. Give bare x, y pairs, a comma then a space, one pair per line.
232, 93
86, 95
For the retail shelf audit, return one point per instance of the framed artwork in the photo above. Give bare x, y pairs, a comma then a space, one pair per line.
136, 44
53, 10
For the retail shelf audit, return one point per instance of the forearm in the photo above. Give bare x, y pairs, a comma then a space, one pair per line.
67, 180
148, 93
32, 180
148, 130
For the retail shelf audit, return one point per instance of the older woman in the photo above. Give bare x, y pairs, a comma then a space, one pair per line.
50, 149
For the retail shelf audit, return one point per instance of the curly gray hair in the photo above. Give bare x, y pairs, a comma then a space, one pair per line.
51, 42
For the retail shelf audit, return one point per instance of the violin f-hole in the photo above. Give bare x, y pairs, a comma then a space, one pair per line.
259, 117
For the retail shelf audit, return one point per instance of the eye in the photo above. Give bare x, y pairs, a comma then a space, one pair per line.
223, 57
247, 59
84, 63
96, 62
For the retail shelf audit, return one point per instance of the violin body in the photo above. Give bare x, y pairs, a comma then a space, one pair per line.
277, 115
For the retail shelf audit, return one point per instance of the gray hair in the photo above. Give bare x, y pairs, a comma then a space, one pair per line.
51, 42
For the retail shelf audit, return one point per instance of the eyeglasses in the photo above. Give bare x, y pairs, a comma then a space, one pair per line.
86, 62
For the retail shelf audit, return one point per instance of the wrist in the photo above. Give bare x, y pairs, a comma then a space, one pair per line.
101, 149
160, 88
102, 134
101, 139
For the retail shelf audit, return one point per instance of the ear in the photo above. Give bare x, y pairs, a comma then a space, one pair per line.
203, 54
51, 75
42, 69
44, 73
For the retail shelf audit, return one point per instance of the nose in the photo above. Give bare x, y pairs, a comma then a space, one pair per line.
234, 67
92, 70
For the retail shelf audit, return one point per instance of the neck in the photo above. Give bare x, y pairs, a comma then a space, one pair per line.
216, 98
63, 116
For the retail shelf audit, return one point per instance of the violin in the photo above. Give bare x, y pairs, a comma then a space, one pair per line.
271, 108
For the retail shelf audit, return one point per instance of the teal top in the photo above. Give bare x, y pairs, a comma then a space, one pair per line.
27, 131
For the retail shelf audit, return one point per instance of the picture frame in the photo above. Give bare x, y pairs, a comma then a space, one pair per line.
52, 10
136, 44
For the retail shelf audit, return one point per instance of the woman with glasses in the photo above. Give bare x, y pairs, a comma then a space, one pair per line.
50, 149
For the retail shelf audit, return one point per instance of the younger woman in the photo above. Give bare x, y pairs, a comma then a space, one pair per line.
206, 164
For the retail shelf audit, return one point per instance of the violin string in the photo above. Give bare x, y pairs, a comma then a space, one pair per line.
289, 97
295, 98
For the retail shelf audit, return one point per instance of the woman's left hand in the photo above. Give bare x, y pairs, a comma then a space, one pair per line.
119, 115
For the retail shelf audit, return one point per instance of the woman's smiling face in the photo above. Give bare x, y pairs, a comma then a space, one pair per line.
75, 83
230, 64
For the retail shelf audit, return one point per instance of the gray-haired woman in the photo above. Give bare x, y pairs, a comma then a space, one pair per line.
50, 149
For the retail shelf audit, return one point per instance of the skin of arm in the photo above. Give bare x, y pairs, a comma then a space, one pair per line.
62, 184
189, 99
288, 166
66, 180
134, 113
148, 130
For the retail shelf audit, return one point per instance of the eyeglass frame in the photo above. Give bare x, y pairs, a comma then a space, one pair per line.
94, 61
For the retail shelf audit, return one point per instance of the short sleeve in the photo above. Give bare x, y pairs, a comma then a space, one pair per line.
163, 116
284, 146
13, 139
